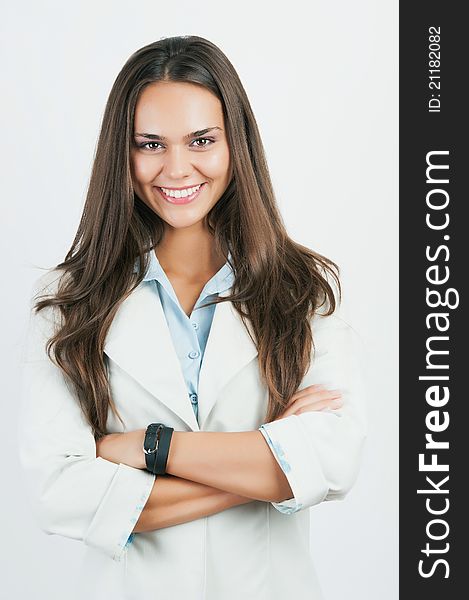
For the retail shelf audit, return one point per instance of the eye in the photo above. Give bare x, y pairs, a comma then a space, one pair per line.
146, 144
209, 140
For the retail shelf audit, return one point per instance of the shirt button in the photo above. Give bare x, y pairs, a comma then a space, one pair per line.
195, 325
193, 398
193, 354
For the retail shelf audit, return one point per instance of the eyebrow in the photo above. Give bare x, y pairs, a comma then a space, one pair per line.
155, 136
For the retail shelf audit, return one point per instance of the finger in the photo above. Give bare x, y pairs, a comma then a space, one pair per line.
299, 407
316, 391
333, 406
318, 396
316, 405
308, 390
326, 403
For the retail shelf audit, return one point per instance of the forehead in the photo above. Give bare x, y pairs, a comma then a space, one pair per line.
175, 108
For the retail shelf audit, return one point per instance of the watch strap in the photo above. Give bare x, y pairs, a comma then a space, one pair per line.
163, 450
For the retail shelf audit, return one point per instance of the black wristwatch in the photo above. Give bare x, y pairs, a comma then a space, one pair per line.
156, 447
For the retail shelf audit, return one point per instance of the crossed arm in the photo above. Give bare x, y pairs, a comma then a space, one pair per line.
208, 472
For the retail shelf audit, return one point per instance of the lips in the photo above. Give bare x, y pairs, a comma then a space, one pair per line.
181, 200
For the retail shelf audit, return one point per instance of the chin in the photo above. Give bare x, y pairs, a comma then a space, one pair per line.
185, 222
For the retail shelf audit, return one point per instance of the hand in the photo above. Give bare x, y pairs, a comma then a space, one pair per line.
124, 448
313, 397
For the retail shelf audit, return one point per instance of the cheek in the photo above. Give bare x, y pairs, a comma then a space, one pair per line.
144, 168
216, 164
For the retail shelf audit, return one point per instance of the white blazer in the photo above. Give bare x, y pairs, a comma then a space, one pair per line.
253, 551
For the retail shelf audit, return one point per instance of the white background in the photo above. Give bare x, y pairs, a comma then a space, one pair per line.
322, 80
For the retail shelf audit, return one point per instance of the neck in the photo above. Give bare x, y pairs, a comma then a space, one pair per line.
189, 253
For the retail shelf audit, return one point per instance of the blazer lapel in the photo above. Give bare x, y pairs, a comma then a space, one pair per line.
139, 341
229, 349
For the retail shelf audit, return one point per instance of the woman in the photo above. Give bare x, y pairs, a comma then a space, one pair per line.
183, 303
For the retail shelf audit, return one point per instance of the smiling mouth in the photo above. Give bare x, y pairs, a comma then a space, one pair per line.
181, 195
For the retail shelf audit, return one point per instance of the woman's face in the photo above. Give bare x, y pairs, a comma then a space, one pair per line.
179, 143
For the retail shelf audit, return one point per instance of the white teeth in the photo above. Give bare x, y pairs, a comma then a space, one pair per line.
180, 193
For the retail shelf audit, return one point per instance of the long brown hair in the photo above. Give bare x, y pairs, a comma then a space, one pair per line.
279, 284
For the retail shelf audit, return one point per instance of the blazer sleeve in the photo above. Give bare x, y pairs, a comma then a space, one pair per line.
72, 492
320, 451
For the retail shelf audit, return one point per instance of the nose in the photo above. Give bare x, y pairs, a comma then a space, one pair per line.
177, 164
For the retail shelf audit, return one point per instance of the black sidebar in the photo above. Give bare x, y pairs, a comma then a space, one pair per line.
433, 330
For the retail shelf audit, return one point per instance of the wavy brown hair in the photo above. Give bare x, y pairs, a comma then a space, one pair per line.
278, 285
